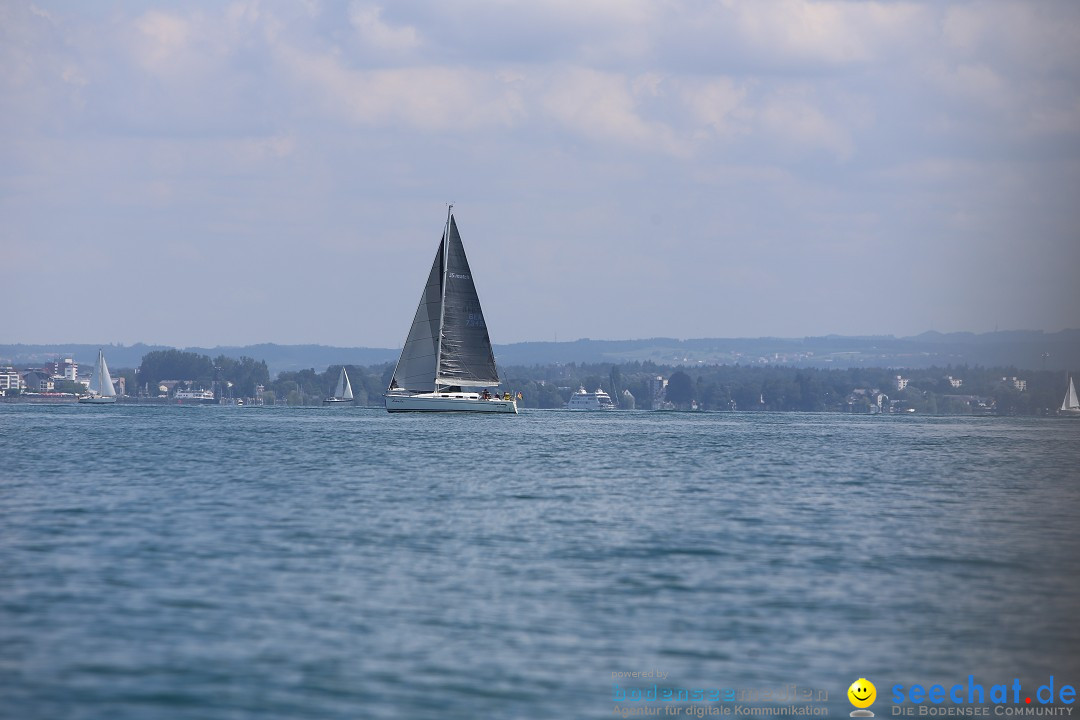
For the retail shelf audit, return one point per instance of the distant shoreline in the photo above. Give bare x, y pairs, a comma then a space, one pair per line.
1023, 349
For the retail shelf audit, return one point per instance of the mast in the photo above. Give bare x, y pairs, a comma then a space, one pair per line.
442, 302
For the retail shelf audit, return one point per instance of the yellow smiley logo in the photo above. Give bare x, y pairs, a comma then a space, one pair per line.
862, 693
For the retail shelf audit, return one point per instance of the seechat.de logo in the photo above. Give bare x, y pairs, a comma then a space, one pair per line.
862, 694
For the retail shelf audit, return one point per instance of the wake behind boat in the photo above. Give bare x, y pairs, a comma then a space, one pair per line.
447, 352
343, 394
103, 392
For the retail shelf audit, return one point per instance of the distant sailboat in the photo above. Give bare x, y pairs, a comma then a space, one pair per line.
343, 392
1070, 405
447, 355
102, 392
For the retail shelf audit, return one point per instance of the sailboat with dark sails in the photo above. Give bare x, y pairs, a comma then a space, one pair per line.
447, 364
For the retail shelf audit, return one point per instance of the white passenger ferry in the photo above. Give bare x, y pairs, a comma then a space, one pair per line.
194, 397
584, 400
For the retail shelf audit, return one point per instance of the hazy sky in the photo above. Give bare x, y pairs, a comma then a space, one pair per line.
209, 173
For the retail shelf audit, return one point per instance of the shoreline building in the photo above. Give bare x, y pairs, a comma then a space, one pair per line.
9, 379
66, 369
38, 381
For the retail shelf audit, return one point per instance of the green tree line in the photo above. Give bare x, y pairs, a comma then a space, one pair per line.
708, 387
198, 371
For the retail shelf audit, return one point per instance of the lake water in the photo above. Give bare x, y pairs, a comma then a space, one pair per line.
211, 562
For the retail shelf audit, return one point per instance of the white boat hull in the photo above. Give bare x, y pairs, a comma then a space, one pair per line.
337, 401
448, 402
97, 400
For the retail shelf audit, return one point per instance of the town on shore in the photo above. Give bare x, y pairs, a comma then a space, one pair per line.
180, 377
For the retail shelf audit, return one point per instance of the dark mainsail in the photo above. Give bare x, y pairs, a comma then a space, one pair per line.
448, 342
465, 357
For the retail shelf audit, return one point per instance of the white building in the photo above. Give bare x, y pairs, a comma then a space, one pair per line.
67, 369
902, 382
9, 379
955, 382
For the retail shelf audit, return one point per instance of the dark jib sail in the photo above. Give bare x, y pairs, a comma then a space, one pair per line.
416, 367
465, 357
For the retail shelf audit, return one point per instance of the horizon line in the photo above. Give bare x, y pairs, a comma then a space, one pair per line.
565, 342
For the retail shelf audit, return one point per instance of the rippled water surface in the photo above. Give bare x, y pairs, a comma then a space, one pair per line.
210, 562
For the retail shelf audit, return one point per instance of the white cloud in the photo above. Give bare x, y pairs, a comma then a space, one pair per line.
40, 12
714, 105
1018, 35
425, 98
790, 115
832, 32
243, 12
603, 106
162, 38
367, 21
73, 75
976, 82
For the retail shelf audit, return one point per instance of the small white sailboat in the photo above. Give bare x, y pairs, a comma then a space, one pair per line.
102, 391
343, 392
447, 355
1070, 406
